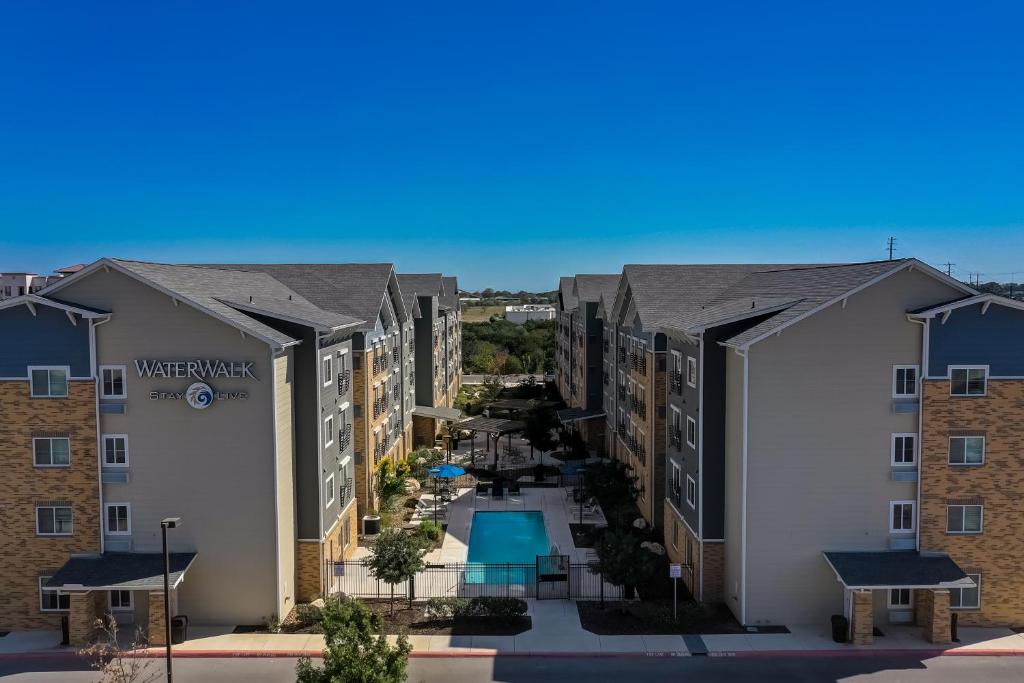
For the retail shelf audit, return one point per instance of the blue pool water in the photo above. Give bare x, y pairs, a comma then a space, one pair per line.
506, 537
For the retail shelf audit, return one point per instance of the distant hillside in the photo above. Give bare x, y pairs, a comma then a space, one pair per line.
494, 297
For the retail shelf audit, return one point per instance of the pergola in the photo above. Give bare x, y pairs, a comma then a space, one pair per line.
492, 427
512, 406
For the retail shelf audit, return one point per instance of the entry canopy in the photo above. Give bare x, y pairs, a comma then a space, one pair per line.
896, 569
577, 415
437, 412
120, 571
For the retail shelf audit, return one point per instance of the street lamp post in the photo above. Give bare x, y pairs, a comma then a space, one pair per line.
169, 523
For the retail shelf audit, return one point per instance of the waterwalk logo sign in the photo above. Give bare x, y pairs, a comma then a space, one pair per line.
195, 369
199, 395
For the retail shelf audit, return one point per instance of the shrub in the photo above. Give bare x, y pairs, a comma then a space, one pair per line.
428, 530
307, 615
444, 609
497, 608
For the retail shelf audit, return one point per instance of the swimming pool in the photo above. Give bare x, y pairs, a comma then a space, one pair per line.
506, 537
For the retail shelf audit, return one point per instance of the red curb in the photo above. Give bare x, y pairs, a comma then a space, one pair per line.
868, 653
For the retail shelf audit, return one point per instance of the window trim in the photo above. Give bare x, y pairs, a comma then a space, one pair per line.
675, 473
329, 485
894, 606
67, 380
949, 451
692, 502
106, 519
917, 380
963, 520
691, 364
949, 375
55, 508
103, 441
51, 465
691, 421
977, 582
913, 516
121, 608
328, 438
892, 449
327, 371
41, 581
124, 381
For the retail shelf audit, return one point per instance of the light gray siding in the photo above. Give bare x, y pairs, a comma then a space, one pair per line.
820, 424
214, 468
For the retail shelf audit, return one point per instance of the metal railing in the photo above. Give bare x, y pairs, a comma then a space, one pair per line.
344, 382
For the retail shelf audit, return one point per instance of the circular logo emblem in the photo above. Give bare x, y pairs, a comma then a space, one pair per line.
199, 395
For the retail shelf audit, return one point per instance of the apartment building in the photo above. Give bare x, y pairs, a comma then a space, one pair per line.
211, 394
382, 364
19, 284
451, 311
565, 308
972, 451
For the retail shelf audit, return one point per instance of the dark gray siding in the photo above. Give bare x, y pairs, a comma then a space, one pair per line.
593, 328
47, 338
424, 335
686, 401
970, 338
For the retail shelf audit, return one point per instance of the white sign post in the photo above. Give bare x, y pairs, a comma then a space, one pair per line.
675, 571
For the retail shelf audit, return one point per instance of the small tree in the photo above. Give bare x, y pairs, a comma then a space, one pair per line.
622, 561
390, 485
538, 424
396, 557
114, 663
357, 650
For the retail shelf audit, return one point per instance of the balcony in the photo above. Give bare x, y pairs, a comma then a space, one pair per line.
344, 437
675, 383
622, 355
396, 355
638, 361
344, 382
675, 438
621, 393
346, 491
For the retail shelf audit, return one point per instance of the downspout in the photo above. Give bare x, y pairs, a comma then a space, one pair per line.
277, 484
743, 499
93, 352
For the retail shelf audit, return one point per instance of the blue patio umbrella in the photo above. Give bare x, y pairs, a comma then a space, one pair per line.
443, 472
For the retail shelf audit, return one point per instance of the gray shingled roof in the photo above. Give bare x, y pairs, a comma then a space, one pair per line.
125, 571
893, 568
419, 284
450, 296
207, 287
296, 309
565, 287
353, 289
590, 287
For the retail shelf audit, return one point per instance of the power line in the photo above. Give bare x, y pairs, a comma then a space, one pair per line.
949, 268
891, 246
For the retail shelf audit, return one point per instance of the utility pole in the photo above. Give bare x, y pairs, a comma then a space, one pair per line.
949, 268
891, 246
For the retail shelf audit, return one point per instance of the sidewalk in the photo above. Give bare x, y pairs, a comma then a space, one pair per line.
557, 631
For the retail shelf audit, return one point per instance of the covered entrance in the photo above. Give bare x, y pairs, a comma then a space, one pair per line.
119, 583
908, 581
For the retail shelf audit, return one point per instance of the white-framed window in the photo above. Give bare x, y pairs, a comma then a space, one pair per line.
900, 598
52, 600
964, 519
968, 380
691, 432
115, 450
966, 598
676, 481
904, 380
691, 371
328, 367
120, 601
51, 451
328, 430
691, 492
329, 490
966, 450
677, 362
55, 520
346, 533
112, 381
49, 381
901, 516
904, 448
118, 519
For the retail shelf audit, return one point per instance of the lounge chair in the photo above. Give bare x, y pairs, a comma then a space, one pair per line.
513, 487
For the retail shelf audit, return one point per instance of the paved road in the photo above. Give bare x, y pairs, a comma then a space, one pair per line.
593, 670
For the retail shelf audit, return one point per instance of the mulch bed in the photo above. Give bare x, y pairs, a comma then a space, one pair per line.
655, 618
414, 622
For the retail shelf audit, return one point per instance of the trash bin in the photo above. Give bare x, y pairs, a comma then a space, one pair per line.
953, 630
65, 630
840, 627
179, 629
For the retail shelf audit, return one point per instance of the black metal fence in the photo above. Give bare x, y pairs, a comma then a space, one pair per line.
472, 580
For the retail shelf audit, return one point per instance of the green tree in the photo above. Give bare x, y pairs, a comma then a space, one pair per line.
539, 421
396, 557
356, 649
483, 358
390, 485
513, 366
622, 561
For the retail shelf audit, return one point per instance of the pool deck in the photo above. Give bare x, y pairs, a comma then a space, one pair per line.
551, 501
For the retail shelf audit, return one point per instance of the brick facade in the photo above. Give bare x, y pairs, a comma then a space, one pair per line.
26, 555
862, 621
997, 552
156, 631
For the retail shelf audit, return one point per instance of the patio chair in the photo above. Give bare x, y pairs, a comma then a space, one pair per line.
513, 487
482, 489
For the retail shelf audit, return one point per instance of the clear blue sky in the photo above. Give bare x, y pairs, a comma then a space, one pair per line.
509, 145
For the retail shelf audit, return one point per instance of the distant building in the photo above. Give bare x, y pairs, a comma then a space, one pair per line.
19, 284
520, 314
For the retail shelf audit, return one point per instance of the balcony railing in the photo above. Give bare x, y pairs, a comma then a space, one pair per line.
622, 355
621, 393
344, 382
638, 361
675, 383
346, 491
344, 436
675, 438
